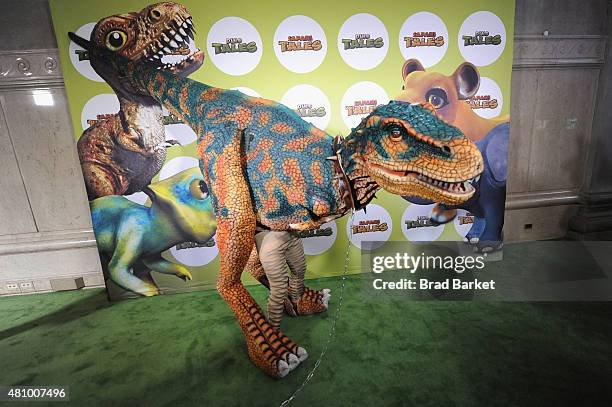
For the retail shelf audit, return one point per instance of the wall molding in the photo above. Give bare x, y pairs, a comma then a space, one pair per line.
537, 199
30, 68
46, 241
559, 51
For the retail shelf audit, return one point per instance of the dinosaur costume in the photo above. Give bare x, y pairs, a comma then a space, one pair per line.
121, 153
132, 236
264, 164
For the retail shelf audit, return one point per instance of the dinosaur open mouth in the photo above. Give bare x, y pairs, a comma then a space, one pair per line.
175, 50
460, 188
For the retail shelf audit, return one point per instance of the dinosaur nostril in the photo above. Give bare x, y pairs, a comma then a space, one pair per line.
446, 149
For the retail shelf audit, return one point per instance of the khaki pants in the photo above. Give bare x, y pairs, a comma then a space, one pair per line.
277, 250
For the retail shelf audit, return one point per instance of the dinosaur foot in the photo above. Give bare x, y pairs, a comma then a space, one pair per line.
270, 349
311, 302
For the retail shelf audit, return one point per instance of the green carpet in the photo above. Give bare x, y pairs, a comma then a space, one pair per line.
187, 350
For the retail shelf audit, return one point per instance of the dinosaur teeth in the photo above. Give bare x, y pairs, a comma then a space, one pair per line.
172, 32
183, 33
173, 44
189, 21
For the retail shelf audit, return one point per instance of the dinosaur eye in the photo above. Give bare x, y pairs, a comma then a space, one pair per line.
396, 132
115, 40
437, 97
199, 189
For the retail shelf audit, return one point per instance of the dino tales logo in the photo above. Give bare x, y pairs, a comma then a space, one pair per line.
482, 102
300, 43
322, 231
361, 107
420, 222
481, 38
307, 110
363, 41
232, 45
369, 226
424, 39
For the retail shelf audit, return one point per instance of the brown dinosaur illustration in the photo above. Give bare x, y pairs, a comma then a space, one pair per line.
122, 152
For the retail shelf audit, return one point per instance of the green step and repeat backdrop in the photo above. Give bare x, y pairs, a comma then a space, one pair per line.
330, 61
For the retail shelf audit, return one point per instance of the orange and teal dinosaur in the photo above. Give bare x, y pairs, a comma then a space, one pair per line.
265, 165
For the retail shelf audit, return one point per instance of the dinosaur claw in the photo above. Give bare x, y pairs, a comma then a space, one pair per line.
293, 361
283, 368
301, 354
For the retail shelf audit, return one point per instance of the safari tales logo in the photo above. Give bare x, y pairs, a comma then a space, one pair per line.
300, 43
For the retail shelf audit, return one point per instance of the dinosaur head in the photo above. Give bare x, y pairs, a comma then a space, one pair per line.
185, 201
160, 36
407, 150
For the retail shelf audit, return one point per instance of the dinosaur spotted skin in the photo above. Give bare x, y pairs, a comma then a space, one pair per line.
121, 153
264, 164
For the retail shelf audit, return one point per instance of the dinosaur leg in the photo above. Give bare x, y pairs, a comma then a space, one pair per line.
271, 246
268, 348
255, 269
312, 300
302, 300
119, 270
161, 265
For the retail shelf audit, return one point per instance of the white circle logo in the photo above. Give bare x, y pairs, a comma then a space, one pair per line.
320, 240
482, 38
424, 36
97, 108
196, 256
373, 224
417, 226
234, 46
300, 44
77, 54
310, 103
247, 91
363, 41
463, 222
177, 165
488, 101
359, 100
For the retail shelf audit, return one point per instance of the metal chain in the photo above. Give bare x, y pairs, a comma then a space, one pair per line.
332, 329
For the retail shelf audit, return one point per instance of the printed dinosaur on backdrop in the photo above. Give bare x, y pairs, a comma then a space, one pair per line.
449, 95
265, 165
122, 152
131, 237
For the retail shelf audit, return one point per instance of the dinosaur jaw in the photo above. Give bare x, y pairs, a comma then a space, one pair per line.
405, 182
174, 50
